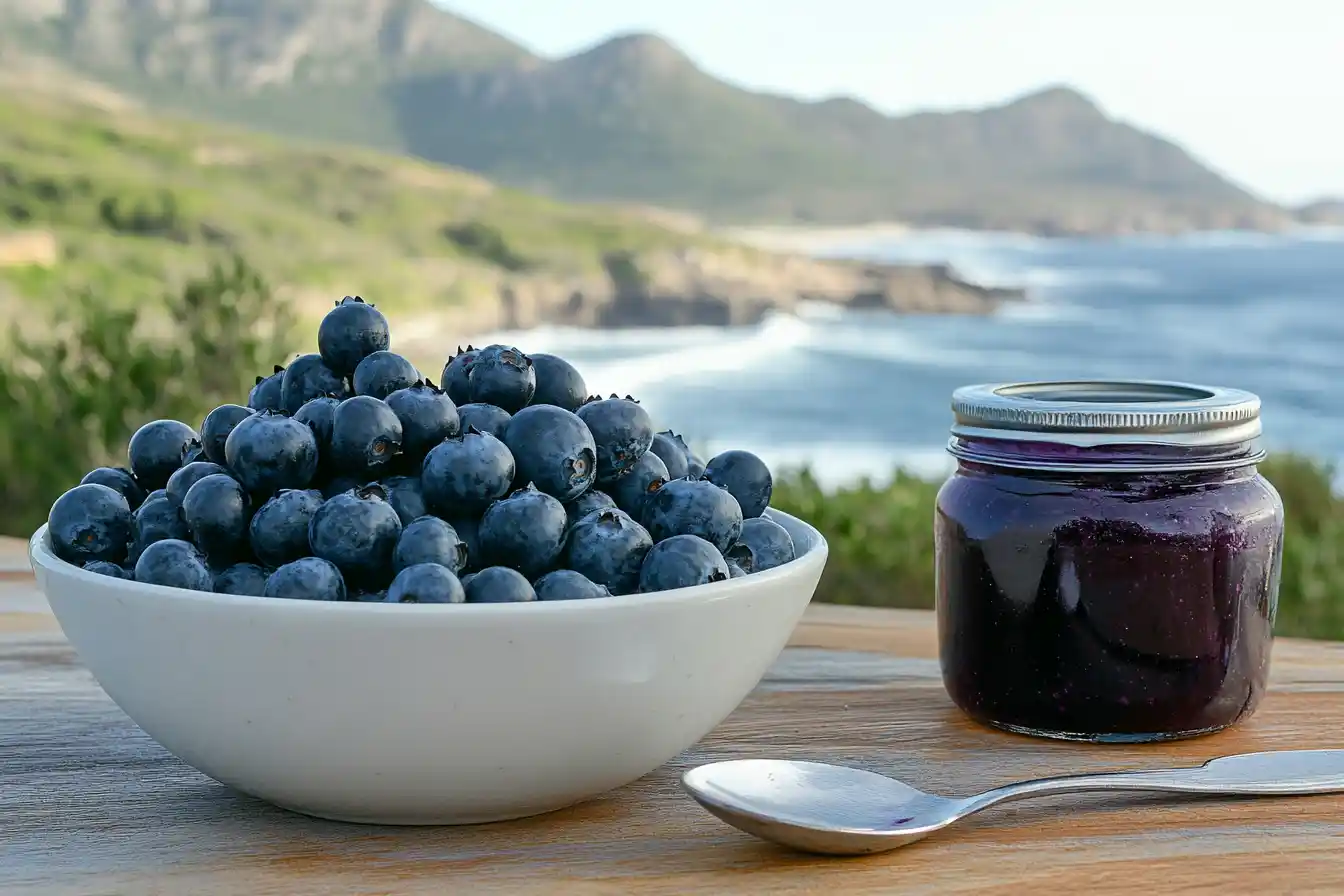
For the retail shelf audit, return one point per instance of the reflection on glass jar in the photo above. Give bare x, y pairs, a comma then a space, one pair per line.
1108, 559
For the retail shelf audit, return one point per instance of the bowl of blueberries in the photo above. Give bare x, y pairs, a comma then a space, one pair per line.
366, 597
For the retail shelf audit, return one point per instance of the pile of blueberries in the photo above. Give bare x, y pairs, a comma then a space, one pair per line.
350, 476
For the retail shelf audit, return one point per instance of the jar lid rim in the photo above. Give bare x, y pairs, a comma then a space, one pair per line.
1092, 412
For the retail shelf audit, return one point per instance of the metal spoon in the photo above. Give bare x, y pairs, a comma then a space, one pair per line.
835, 810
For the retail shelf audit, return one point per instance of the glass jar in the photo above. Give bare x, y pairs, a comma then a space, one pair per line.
1108, 559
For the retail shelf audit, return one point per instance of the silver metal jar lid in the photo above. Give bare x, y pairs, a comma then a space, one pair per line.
1089, 413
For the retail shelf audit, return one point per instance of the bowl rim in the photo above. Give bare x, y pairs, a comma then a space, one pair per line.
41, 555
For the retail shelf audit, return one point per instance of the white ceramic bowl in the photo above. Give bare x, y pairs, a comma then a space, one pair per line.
429, 714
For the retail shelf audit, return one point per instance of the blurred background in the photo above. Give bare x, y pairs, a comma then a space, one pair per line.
792, 227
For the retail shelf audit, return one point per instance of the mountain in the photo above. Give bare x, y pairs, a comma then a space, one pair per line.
1328, 211
632, 119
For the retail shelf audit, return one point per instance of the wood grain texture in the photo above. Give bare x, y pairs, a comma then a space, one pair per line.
89, 805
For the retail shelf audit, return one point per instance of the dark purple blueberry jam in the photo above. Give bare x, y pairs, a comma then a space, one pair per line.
1107, 606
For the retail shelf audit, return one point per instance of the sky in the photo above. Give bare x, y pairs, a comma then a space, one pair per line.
1254, 88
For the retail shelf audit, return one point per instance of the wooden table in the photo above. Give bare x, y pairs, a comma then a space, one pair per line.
88, 804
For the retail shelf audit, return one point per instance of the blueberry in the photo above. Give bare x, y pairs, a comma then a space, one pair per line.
310, 578
745, 476
456, 377
430, 540
608, 547
90, 522
695, 467
427, 415
341, 484
552, 449
558, 383
622, 430
106, 568
217, 510
566, 584
426, 583
185, 477
307, 378
406, 498
268, 393
485, 417
351, 332
216, 428
464, 474
119, 479
763, 544
469, 530
693, 507
365, 437
176, 564
502, 375
193, 453
466, 579
632, 490
586, 503
156, 451
671, 448
382, 373
243, 579
499, 585
357, 531
735, 571
680, 562
525, 531
269, 451
158, 519
318, 414
278, 532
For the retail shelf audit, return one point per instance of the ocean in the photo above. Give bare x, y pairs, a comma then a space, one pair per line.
853, 394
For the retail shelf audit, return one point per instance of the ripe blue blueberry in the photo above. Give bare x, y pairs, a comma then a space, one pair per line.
622, 430
357, 531
118, 479
269, 451
763, 544
469, 530
456, 377
185, 477
485, 418
341, 484
176, 564
193, 453
278, 532
467, 579
318, 414
464, 474
586, 503
502, 375
426, 583
247, 579
405, 496
566, 584
693, 507
305, 379
695, 467
216, 428
608, 547
382, 373
499, 585
525, 531
553, 450
427, 417
158, 519
680, 562
430, 540
112, 570
90, 522
558, 383
268, 393
745, 476
631, 491
157, 449
310, 578
351, 332
672, 450
217, 510
735, 571
365, 438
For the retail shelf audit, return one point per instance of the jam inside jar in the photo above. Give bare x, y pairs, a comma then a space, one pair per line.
1108, 559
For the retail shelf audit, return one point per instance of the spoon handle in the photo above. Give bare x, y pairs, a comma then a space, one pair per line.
1277, 773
